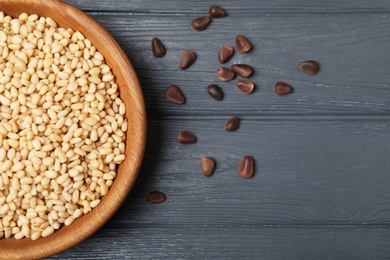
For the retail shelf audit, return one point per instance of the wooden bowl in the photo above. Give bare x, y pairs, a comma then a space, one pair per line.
68, 16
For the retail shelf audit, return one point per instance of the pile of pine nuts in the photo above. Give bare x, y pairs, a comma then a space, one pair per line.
62, 126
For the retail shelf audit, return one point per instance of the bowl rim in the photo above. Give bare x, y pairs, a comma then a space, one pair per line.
129, 86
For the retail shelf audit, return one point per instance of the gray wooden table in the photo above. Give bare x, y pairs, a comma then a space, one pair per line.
321, 188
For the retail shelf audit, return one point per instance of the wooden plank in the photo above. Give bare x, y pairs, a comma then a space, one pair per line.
314, 172
233, 242
353, 80
234, 8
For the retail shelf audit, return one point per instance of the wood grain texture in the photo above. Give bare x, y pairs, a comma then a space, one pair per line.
290, 209
320, 189
236, 8
233, 242
302, 175
350, 48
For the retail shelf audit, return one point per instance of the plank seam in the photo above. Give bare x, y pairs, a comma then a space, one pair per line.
341, 226
163, 13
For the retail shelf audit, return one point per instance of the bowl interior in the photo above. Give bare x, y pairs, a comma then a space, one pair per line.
130, 91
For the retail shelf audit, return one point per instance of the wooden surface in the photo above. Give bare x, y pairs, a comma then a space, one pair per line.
130, 92
321, 188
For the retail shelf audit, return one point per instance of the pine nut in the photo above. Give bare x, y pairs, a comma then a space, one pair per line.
62, 129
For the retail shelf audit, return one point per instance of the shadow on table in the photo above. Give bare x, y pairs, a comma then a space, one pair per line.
136, 200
